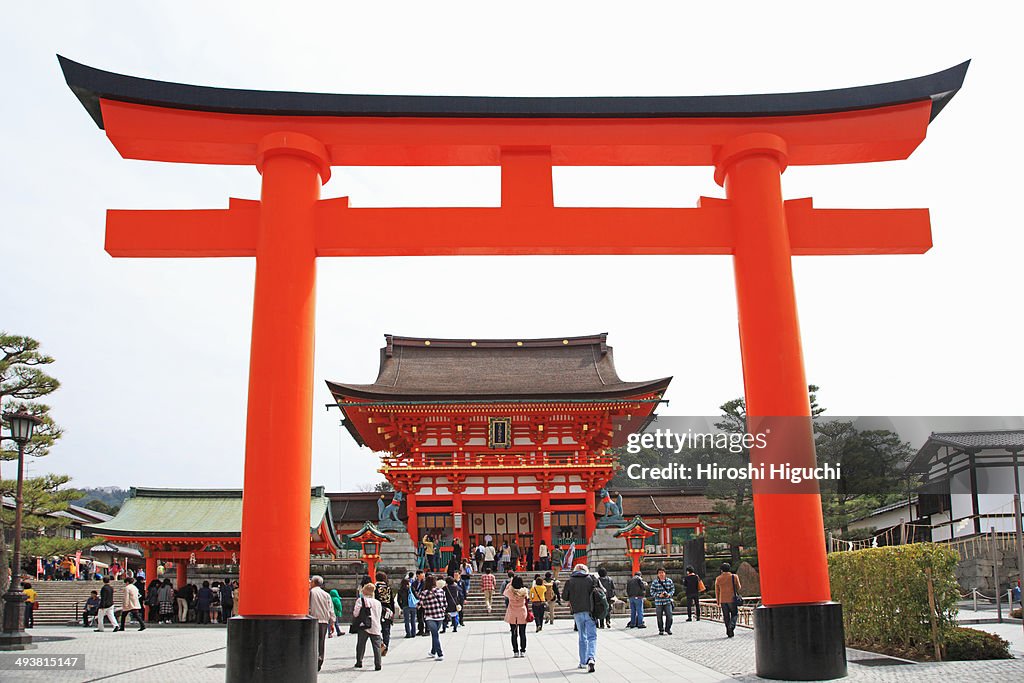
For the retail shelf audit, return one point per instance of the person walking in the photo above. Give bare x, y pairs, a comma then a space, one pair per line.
383, 594
339, 612
662, 590
579, 592
550, 591
557, 554
408, 602
636, 590
131, 605
490, 555
538, 601
543, 556
693, 586
433, 601
609, 591
322, 609
371, 610
515, 614
467, 575
727, 589
453, 603
478, 558
106, 605
487, 586
515, 553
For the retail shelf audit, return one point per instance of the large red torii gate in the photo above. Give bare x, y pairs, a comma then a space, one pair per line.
293, 139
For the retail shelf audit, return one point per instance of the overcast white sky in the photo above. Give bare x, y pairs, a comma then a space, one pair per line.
153, 354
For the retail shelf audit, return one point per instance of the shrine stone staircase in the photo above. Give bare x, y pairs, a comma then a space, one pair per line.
59, 600
475, 609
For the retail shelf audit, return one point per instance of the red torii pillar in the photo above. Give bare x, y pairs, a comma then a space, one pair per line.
294, 138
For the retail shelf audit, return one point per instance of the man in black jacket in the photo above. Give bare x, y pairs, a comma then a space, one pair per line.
636, 589
106, 605
577, 591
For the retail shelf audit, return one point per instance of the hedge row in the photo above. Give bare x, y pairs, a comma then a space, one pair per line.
884, 592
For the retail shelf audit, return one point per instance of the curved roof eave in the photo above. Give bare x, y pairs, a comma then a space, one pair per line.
91, 85
375, 393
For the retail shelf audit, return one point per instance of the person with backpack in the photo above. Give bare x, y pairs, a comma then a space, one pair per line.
550, 594
588, 603
609, 591
636, 589
383, 594
727, 595
366, 620
693, 586
407, 601
662, 590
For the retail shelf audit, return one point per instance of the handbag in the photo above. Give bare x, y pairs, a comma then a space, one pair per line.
361, 621
737, 599
529, 612
700, 586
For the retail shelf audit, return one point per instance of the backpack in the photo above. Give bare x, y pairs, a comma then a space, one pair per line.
599, 607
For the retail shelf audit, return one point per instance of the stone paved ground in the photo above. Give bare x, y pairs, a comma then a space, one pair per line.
697, 652
704, 642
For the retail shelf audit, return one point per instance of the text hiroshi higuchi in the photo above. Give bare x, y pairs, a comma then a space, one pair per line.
708, 472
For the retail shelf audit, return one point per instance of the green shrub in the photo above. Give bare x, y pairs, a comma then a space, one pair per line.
884, 592
968, 643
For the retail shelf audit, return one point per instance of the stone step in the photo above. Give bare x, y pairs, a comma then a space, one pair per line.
62, 602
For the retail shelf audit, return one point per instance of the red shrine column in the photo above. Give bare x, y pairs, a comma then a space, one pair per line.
180, 573
798, 623
588, 518
274, 559
150, 565
412, 522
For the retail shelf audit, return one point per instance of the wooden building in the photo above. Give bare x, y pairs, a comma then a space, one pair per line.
507, 438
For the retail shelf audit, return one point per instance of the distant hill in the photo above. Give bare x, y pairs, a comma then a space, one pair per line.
111, 496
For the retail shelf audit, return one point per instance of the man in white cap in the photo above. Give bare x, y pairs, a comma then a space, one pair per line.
578, 590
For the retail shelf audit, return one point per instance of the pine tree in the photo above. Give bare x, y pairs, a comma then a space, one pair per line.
22, 382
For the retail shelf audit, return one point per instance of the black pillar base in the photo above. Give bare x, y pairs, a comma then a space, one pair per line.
800, 642
16, 640
13, 636
272, 649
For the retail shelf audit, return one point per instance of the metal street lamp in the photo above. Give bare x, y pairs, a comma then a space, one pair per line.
13, 636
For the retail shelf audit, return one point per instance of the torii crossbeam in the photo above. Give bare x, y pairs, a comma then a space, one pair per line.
293, 139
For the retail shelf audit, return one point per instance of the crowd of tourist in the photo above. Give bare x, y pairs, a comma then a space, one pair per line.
429, 602
159, 602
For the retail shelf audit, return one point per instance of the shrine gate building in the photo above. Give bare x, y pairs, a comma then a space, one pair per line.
500, 437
